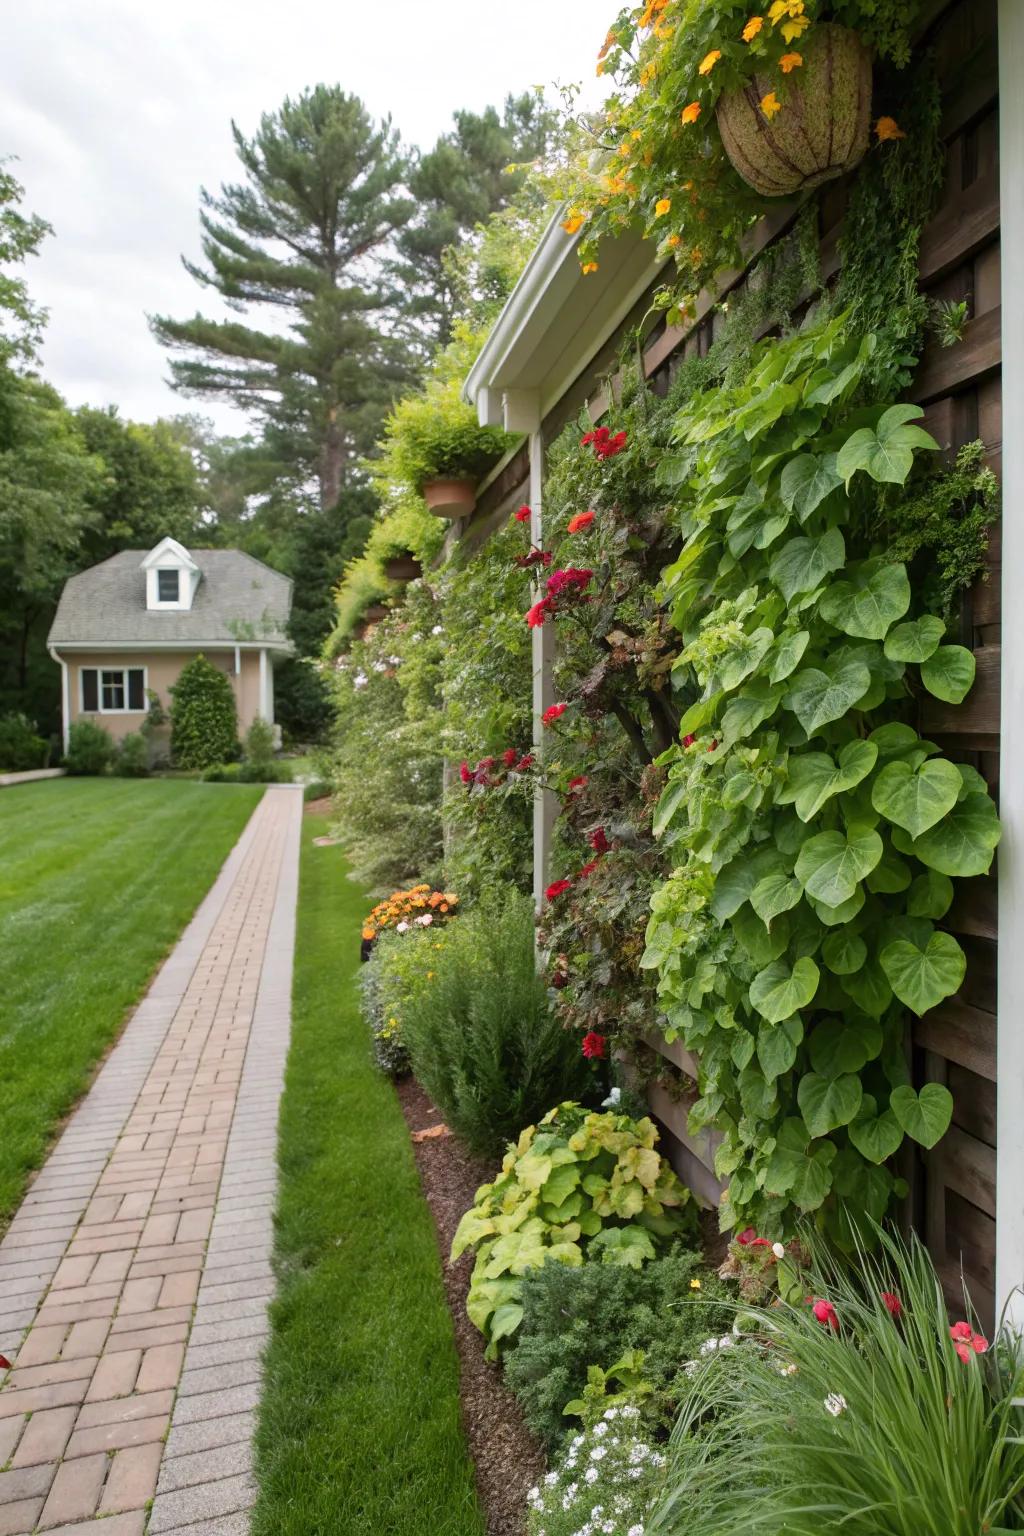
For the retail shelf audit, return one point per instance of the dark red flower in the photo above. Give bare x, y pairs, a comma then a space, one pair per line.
523, 515
509, 756
535, 616
746, 1237
579, 782
464, 773
580, 522
5, 1364
892, 1304
535, 557
688, 741
570, 580
559, 980
556, 888
553, 713
524, 763
588, 869
826, 1315
599, 841
594, 1045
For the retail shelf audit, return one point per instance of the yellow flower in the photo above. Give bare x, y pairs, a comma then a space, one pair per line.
791, 30
770, 104
695, 1284
888, 128
752, 28
781, 8
588, 266
709, 61
430, 975
790, 61
691, 113
637, 133
662, 206
673, 240
573, 222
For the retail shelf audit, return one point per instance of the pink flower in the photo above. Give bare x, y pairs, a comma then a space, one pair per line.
892, 1304
746, 1237
523, 515
509, 756
688, 741
570, 580
524, 763
594, 1045
556, 888
580, 522
826, 1315
425, 919
966, 1341
552, 713
464, 773
588, 869
579, 782
535, 616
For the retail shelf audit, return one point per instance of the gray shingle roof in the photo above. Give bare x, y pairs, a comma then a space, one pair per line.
238, 598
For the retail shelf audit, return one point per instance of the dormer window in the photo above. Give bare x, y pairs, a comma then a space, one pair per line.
167, 583
172, 578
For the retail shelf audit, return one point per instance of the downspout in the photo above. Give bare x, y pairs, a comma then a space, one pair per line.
1010, 971
65, 696
545, 803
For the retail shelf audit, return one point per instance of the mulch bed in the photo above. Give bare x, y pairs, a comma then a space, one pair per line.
508, 1459
319, 807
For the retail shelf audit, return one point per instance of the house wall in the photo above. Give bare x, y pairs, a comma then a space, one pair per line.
163, 669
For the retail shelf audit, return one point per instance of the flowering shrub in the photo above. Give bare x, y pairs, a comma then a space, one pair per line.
604, 1482
814, 833
418, 907
399, 967
581, 1185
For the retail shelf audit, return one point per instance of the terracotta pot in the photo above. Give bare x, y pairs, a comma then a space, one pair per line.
402, 568
374, 612
450, 498
823, 129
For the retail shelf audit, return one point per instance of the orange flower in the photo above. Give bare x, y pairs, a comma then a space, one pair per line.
608, 43
368, 932
588, 267
662, 207
790, 61
752, 28
673, 240
770, 104
888, 128
709, 61
691, 113
573, 222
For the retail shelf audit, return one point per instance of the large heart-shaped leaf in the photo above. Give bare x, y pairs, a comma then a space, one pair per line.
814, 777
828, 1102
875, 1136
844, 952
869, 989
922, 978
831, 865
774, 894
931, 895
885, 452
962, 843
777, 992
788, 652
743, 657
802, 564
806, 481
737, 879
914, 641
814, 1178
926, 1115
818, 697
838, 1046
916, 799
777, 1046
869, 604
949, 673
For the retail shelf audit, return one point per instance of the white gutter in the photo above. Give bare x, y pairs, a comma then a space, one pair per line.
1010, 963
65, 696
285, 647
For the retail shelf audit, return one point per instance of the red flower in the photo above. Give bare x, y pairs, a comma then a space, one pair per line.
509, 756
464, 773
966, 1341
826, 1315
535, 616
579, 782
556, 888
688, 741
559, 980
570, 580
599, 841
713, 747
588, 869
581, 521
961, 1331
594, 1045
591, 437
760, 1242
535, 557
605, 446
979, 1344
524, 763
746, 1237
523, 515
5, 1364
553, 713
892, 1304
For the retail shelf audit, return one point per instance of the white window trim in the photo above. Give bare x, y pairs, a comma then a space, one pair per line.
169, 602
100, 710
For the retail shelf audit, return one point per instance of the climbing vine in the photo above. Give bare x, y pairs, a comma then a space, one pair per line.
814, 834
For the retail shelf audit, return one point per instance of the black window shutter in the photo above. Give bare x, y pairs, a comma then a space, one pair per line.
136, 692
90, 690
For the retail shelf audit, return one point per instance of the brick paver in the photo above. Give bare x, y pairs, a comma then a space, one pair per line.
135, 1279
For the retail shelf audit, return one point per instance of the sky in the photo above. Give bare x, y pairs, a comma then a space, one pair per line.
119, 110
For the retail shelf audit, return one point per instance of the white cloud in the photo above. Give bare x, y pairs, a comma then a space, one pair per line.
119, 110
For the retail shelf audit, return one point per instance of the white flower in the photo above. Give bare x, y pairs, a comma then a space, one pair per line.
635, 1472
635, 1530
613, 1099
438, 629
778, 1250
576, 1442
657, 1460
612, 1413
380, 666
591, 1475
599, 1453
402, 927
711, 1345
836, 1404
600, 1430
637, 1453
360, 680
630, 1412
425, 919
570, 1493
551, 1479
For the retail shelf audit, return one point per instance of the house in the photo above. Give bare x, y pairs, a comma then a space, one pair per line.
125, 628
552, 352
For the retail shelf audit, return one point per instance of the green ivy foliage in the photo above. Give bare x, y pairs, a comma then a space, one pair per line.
204, 722
815, 835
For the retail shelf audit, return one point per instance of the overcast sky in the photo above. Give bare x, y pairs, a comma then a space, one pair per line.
119, 110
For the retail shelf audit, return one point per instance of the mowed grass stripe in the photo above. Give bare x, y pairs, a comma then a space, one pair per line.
98, 878
359, 1428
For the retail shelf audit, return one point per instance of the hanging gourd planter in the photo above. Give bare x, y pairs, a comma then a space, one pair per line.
822, 127
450, 498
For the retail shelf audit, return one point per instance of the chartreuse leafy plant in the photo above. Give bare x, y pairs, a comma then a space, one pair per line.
815, 835
581, 1185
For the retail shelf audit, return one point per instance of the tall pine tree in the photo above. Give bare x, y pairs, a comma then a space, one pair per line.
303, 236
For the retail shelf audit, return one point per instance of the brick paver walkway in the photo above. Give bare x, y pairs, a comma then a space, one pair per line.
134, 1280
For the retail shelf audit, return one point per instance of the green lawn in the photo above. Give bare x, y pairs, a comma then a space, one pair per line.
98, 877
359, 1426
